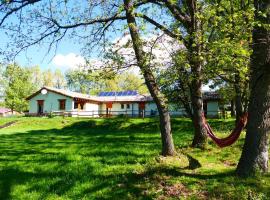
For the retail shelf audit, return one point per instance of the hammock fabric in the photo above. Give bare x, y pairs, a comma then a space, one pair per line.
224, 142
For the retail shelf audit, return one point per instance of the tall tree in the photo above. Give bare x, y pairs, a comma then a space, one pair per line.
188, 29
78, 81
19, 85
59, 79
198, 23
36, 77
48, 78
254, 156
229, 47
143, 63
130, 81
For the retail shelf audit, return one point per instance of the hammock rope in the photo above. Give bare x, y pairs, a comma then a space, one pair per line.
234, 135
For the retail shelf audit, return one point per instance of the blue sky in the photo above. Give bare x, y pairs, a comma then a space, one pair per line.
68, 51
38, 56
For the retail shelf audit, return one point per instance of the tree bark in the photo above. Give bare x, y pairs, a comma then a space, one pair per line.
160, 100
195, 47
254, 156
238, 97
232, 108
200, 137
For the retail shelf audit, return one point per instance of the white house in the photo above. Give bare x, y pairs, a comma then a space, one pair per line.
58, 101
48, 100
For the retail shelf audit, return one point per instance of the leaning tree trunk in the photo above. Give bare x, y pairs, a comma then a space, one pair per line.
164, 116
254, 156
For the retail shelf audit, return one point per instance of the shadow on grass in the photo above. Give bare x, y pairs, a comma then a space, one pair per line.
84, 159
90, 159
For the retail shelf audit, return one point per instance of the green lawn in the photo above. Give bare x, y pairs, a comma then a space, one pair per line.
71, 158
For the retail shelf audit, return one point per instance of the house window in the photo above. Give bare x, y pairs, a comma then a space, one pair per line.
128, 106
62, 104
122, 106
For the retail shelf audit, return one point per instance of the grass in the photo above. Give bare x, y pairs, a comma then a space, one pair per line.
69, 158
4, 120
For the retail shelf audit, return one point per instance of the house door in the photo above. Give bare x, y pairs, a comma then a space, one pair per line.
108, 108
40, 106
141, 109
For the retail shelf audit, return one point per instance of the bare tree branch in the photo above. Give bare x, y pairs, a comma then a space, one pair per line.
24, 3
161, 27
90, 22
177, 12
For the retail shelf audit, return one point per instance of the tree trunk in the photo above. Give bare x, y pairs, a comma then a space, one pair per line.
195, 47
200, 137
254, 156
238, 98
232, 108
160, 100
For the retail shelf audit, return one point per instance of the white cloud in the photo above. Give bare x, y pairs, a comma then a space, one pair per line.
161, 47
68, 61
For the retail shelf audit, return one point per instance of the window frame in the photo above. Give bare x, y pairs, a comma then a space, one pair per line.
62, 102
122, 106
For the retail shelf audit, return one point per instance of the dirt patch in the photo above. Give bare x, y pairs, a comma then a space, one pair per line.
180, 160
176, 190
229, 163
179, 190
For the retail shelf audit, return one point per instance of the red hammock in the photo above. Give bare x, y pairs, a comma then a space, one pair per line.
224, 142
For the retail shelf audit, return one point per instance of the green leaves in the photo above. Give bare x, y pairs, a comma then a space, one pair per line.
19, 86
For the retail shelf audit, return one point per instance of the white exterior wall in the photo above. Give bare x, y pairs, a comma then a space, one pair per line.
51, 102
117, 110
212, 108
89, 110
91, 107
151, 109
132, 110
